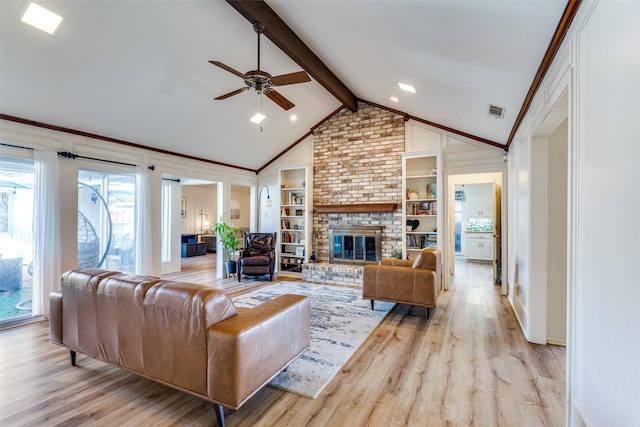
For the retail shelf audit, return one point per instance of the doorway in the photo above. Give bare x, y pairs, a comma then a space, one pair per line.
474, 221
550, 147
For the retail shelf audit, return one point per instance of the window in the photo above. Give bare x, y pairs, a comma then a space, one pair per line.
166, 222
16, 239
106, 212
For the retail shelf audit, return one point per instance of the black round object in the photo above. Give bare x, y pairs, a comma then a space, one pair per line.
414, 223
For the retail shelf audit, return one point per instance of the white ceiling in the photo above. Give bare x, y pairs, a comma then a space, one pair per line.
138, 71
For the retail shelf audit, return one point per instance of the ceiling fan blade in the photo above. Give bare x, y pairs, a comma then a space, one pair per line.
230, 94
290, 79
229, 69
279, 99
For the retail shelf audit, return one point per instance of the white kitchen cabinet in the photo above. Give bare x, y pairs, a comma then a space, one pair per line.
479, 205
479, 247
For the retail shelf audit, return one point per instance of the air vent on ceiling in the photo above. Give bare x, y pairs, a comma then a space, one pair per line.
495, 111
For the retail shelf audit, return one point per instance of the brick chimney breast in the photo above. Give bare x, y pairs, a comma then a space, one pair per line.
357, 159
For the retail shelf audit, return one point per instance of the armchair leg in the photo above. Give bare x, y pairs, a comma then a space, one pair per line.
73, 357
428, 309
372, 304
219, 414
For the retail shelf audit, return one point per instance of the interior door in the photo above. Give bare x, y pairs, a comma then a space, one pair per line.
497, 234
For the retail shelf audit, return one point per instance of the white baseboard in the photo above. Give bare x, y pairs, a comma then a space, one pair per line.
557, 340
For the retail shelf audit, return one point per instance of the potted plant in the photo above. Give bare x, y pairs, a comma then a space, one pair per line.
228, 236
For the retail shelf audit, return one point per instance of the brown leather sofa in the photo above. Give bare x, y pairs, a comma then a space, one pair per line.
413, 282
187, 336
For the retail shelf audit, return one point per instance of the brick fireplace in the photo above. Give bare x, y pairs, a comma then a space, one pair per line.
355, 245
357, 161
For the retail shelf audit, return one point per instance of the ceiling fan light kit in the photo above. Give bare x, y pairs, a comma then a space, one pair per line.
263, 82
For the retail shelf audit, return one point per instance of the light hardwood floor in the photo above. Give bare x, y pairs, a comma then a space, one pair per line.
467, 365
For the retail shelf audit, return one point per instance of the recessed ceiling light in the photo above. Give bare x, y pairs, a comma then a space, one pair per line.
258, 118
41, 18
394, 99
407, 87
293, 118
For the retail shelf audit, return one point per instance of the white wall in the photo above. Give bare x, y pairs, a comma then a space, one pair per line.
199, 199
607, 347
598, 66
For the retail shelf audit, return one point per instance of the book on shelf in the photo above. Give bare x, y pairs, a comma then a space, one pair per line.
422, 208
290, 237
296, 199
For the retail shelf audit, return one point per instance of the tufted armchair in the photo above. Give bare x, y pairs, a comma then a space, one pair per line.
413, 282
258, 256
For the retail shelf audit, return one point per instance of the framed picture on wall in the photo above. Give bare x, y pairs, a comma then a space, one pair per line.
234, 213
183, 207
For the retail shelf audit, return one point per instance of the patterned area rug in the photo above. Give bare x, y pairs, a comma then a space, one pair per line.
340, 322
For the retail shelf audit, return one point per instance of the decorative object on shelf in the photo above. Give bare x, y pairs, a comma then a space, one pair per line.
299, 251
396, 253
432, 190
412, 195
413, 223
434, 171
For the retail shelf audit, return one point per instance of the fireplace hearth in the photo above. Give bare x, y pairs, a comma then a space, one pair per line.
355, 244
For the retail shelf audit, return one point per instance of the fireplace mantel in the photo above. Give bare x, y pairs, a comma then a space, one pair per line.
356, 208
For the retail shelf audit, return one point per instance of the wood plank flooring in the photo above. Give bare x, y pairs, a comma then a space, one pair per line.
469, 364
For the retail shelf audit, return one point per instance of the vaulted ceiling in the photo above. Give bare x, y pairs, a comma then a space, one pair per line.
138, 71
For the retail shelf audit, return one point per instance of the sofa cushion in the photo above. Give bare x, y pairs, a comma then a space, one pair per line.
256, 260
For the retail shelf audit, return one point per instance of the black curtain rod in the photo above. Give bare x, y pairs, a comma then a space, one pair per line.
16, 146
69, 155
171, 179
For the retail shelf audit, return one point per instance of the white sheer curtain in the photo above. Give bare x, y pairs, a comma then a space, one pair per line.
46, 260
143, 253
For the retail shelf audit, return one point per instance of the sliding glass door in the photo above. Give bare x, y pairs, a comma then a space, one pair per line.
106, 212
16, 239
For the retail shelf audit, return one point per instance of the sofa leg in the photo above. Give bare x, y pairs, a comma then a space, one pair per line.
73, 357
219, 414
428, 310
372, 304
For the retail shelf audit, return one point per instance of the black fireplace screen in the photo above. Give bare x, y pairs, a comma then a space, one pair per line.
354, 245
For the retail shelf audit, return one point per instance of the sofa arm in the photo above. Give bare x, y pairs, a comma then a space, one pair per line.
247, 350
55, 317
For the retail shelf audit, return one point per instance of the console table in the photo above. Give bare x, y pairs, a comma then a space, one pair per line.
191, 246
210, 240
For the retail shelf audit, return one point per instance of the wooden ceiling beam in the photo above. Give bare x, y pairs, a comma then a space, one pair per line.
282, 36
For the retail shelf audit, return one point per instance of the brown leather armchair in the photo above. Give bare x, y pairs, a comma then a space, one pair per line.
258, 256
413, 282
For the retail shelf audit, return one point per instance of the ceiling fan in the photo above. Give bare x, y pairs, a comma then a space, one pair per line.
263, 82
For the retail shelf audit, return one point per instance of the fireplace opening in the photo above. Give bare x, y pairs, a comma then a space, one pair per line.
355, 244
